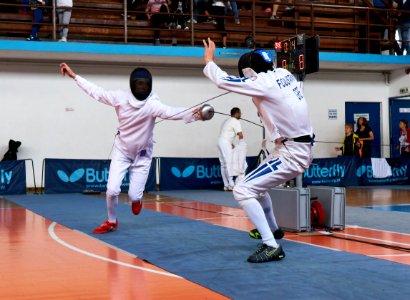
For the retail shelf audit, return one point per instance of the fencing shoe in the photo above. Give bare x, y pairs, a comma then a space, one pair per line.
106, 227
277, 234
267, 253
136, 207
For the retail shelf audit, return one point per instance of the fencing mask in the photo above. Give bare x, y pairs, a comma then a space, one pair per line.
258, 60
141, 83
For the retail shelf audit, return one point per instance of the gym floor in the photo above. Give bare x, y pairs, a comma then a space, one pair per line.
42, 259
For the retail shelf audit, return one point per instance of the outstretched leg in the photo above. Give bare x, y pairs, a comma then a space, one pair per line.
139, 171
118, 168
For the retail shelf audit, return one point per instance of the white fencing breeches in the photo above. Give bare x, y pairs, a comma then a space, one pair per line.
138, 172
225, 158
239, 164
278, 168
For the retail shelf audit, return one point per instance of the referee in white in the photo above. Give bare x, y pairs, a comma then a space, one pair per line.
231, 128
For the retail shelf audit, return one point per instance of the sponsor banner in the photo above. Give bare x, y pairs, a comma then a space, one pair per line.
340, 171
192, 173
78, 175
12, 177
347, 171
399, 168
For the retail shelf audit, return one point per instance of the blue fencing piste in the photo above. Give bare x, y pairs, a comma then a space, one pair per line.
78, 175
12, 177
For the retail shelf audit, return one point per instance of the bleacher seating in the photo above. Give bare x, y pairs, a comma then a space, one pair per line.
341, 24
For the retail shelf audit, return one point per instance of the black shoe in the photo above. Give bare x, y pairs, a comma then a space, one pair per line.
267, 253
277, 234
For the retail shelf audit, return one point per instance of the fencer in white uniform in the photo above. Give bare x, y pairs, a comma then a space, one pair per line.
136, 109
230, 129
284, 112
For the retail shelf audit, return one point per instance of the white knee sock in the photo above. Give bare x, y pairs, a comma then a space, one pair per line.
266, 203
255, 213
112, 202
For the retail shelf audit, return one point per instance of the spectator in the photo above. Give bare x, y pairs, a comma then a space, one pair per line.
158, 12
404, 23
231, 128
366, 136
37, 12
275, 8
381, 17
132, 5
404, 138
217, 9
64, 8
23, 10
200, 6
180, 7
351, 145
233, 6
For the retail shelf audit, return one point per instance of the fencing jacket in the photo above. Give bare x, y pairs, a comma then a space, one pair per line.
136, 118
278, 99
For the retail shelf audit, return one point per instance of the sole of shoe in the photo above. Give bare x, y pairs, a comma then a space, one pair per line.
100, 230
267, 255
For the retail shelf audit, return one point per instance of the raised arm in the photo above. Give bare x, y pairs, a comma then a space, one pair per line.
96, 92
241, 85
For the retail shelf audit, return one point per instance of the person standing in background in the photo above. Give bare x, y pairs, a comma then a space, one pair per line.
404, 138
64, 9
37, 12
230, 129
158, 12
404, 23
217, 9
351, 145
366, 136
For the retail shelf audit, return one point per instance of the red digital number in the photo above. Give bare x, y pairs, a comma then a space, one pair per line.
301, 62
278, 46
284, 63
286, 47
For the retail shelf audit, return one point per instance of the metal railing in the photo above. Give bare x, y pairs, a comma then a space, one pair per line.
347, 28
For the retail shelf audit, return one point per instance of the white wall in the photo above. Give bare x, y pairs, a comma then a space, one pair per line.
330, 90
399, 79
53, 118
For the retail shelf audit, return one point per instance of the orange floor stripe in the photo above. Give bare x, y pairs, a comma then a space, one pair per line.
36, 266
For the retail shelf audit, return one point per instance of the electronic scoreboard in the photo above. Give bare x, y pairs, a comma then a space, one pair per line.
299, 55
